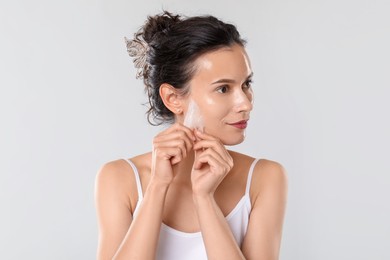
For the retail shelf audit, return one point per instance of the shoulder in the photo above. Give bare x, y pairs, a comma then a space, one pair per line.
270, 169
120, 170
264, 169
269, 178
115, 181
113, 172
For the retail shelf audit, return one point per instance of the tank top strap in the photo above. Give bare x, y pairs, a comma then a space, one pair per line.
249, 178
137, 179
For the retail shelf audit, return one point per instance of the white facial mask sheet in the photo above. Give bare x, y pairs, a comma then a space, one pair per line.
193, 118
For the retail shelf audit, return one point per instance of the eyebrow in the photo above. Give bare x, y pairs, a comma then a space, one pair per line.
230, 80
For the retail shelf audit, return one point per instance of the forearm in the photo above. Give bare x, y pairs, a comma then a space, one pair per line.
142, 237
217, 236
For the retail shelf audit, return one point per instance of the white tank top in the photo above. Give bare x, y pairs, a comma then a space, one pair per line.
177, 245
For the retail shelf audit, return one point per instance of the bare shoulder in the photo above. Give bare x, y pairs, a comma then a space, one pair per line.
115, 179
269, 178
270, 169
115, 198
114, 173
264, 168
120, 171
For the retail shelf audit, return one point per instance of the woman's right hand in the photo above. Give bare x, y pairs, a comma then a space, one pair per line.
169, 148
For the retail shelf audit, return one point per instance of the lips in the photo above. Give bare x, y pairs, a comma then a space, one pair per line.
240, 124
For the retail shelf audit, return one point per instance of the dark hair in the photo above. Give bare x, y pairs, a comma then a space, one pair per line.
164, 51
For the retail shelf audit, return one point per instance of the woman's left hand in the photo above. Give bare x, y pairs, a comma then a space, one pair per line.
212, 163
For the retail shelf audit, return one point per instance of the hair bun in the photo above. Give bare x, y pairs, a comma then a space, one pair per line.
139, 47
159, 25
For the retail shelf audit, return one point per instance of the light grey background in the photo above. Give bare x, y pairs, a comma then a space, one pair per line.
69, 102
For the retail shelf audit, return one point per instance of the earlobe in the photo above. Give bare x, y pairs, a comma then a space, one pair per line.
171, 98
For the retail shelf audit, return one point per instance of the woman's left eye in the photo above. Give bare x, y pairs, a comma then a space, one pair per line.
248, 83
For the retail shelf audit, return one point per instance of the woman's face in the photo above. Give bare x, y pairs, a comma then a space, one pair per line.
221, 89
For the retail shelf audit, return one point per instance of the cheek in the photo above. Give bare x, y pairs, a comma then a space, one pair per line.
215, 109
214, 115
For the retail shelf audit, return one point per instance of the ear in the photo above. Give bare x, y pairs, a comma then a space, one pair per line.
171, 98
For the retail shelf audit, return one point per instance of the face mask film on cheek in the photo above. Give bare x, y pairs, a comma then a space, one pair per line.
193, 118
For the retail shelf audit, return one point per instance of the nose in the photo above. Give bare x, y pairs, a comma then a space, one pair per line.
243, 100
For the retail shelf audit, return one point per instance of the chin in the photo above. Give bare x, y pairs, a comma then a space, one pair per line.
231, 142
232, 139
228, 138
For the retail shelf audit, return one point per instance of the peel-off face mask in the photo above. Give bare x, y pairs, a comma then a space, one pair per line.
193, 118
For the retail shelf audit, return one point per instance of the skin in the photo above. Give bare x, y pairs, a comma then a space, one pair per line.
190, 180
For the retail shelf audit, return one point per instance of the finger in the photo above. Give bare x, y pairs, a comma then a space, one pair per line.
184, 131
177, 158
219, 167
203, 135
212, 144
188, 131
218, 147
173, 143
174, 154
176, 138
210, 157
197, 165
213, 141
178, 127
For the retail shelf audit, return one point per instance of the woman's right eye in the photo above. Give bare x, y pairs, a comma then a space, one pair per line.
223, 89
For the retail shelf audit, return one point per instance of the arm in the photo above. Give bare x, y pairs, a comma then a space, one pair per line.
216, 233
269, 189
121, 236
141, 239
212, 163
112, 208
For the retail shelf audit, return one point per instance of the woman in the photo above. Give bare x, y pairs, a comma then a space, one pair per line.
190, 197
